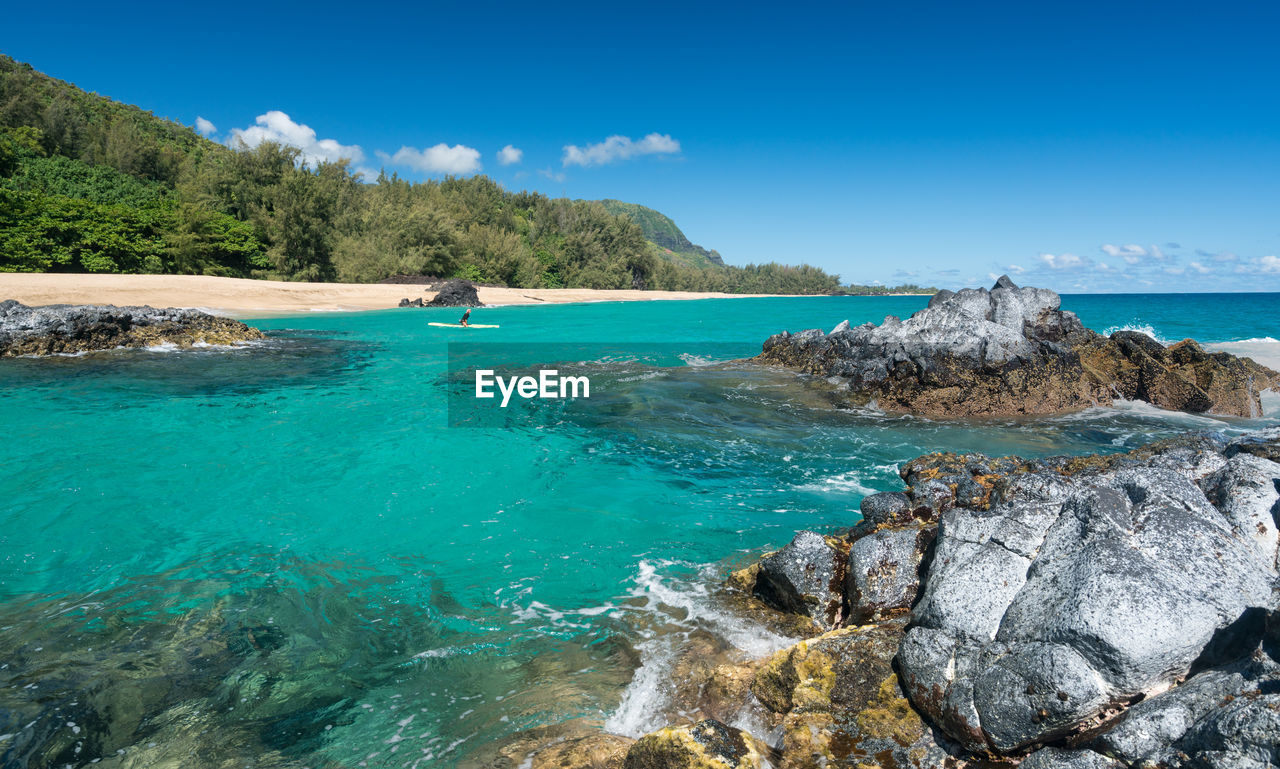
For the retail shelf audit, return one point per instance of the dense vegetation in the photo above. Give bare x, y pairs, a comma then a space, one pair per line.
91, 185
660, 230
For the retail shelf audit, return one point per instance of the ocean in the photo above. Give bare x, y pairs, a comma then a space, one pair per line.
294, 547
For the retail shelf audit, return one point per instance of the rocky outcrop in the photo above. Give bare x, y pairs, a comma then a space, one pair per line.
707, 744
1052, 611
1103, 611
456, 293
1010, 351
59, 328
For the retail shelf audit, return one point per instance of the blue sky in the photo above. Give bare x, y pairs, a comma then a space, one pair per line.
1084, 146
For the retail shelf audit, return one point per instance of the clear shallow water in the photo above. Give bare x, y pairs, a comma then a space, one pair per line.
358, 563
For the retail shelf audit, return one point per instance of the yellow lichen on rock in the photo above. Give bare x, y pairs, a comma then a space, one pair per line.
890, 716
705, 745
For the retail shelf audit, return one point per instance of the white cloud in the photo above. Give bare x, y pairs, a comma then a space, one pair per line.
1263, 265
617, 148
1063, 261
1129, 250
205, 127
440, 159
1198, 267
276, 126
1131, 253
1269, 264
509, 156
552, 175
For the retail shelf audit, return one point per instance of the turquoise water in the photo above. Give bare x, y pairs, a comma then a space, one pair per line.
301, 510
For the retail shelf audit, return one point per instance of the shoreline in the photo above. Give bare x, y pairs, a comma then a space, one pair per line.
251, 298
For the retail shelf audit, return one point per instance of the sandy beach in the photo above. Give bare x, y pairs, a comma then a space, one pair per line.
239, 297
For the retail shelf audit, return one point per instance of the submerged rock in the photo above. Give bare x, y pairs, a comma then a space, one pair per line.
60, 328
456, 293
1012, 350
573, 745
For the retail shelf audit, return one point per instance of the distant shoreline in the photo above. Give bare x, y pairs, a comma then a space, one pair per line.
240, 297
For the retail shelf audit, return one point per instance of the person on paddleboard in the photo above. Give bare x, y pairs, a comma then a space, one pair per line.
465, 318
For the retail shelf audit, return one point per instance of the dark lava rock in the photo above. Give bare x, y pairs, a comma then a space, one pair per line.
1072, 596
1101, 611
456, 293
407, 302
806, 577
884, 572
61, 328
1011, 351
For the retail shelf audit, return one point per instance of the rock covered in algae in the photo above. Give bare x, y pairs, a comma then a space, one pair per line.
708, 744
842, 704
573, 745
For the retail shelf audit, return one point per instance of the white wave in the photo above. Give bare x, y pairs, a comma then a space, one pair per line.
699, 361
844, 483
1264, 350
169, 347
644, 701
644, 376
1142, 328
79, 354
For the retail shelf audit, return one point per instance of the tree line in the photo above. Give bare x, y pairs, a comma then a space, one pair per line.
92, 185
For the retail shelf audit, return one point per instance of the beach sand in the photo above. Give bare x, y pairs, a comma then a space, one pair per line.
238, 297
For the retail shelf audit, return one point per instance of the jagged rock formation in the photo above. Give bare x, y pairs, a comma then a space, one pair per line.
61, 328
1100, 611
1012, 350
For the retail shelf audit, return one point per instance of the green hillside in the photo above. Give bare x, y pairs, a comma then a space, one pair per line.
662, 232
88, 184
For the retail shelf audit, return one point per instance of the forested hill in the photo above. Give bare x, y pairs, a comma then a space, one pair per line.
664, 234
88, 184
